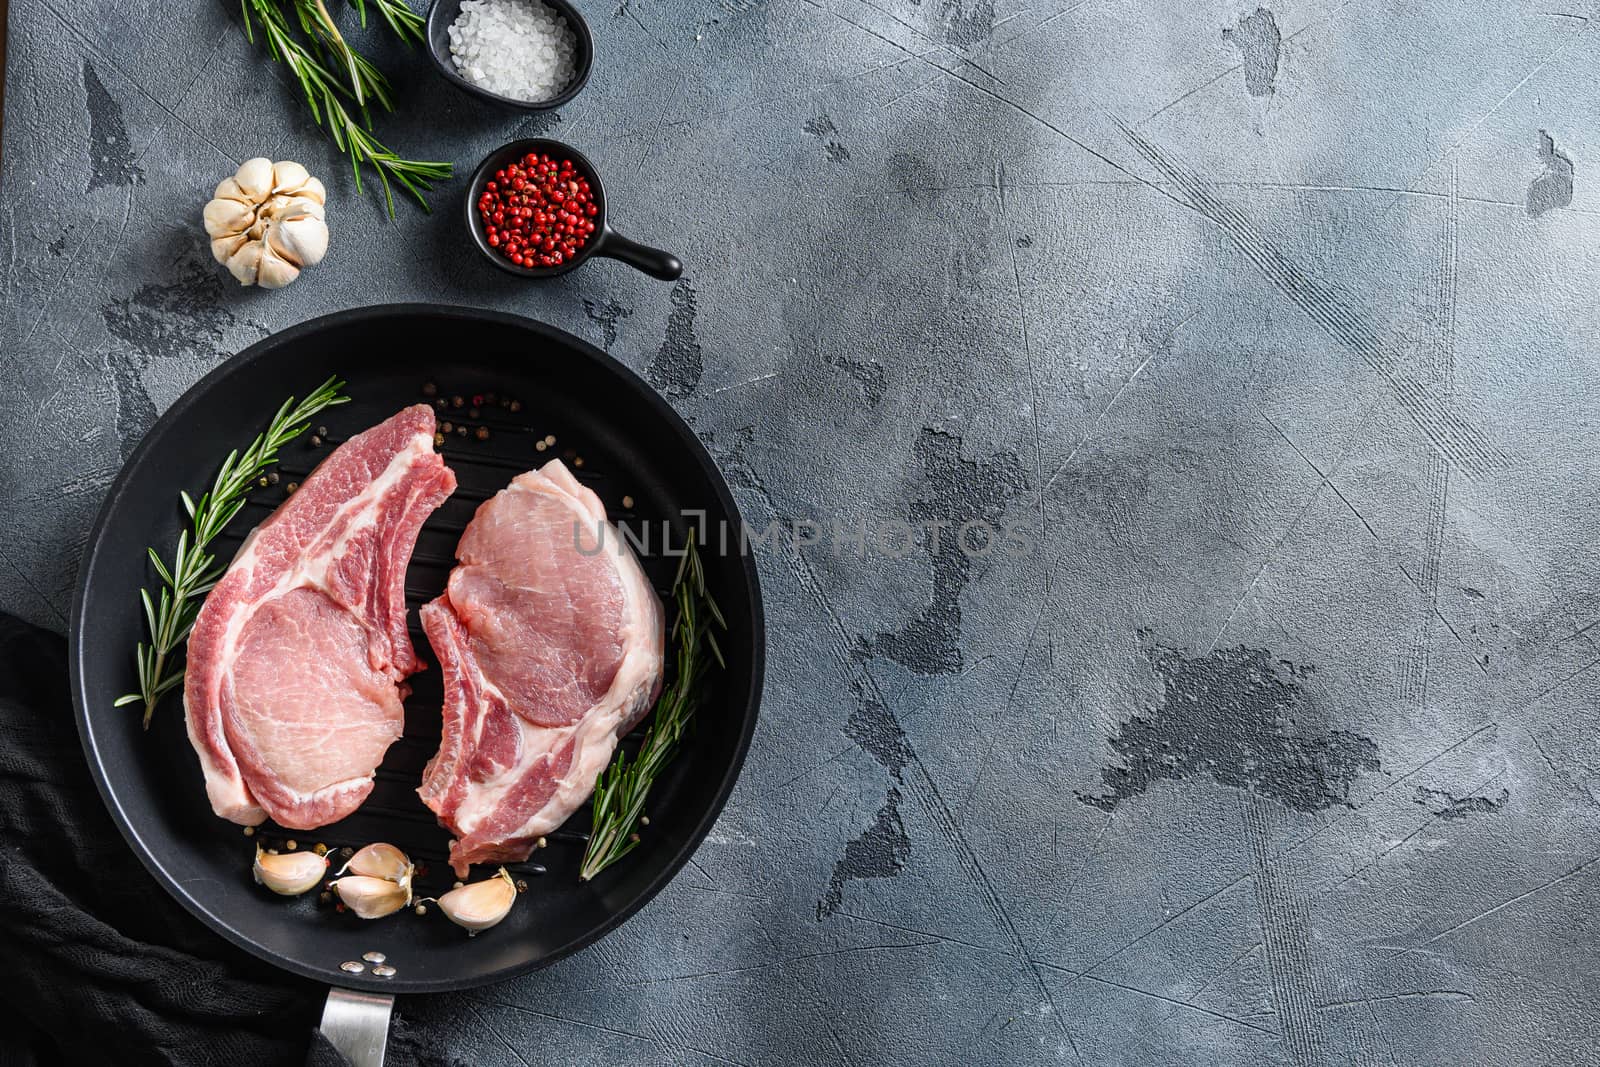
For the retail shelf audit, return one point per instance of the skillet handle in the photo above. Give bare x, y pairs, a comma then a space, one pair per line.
357, 1024
653, 261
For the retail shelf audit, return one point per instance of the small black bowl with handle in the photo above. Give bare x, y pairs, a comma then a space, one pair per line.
603, 242
444, 12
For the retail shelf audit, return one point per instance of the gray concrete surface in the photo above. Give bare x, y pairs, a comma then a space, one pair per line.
1274, 326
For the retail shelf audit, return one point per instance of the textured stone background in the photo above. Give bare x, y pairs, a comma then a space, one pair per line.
1274, 325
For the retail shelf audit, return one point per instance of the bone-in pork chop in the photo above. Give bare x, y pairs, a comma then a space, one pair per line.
298, 660
550, 639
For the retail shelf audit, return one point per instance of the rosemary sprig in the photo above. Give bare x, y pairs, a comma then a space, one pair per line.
193, 570
620, 794
326, 93
401, 19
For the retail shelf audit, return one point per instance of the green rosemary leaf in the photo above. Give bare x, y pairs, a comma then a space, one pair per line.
170, 615
624, 786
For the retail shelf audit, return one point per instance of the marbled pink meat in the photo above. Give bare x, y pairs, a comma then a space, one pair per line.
550, 639
297, 663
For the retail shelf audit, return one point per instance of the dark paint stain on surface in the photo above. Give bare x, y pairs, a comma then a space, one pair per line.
1231, 715
1553, 188
678, 365
59, 245
539, 124
606, 315
959, 491
1258, 40
869, 374
968, 23
880, 852
184, 317
882, 849
823, 128
110, 151
1447, 805
878, 732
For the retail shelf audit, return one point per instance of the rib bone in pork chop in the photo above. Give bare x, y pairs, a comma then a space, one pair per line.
298, 660
550, 640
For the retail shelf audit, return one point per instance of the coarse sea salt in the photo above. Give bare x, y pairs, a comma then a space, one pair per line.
521, 49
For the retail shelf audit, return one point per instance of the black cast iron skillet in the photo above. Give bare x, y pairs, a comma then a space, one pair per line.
631, 445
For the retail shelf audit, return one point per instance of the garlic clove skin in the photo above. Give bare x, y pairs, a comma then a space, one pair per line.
381, 861
302, 242
296, 207
288, 176
289, 874
245, 264
224, 216
372, 898
254, 177
482, 904
274, 271
223, 248
313, 190
228, 189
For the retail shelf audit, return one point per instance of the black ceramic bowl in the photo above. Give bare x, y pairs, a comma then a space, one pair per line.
444, 12
603, 242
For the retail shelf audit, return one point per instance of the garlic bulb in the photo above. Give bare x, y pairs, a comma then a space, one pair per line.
289, 873
482, 904
266, 222
381, 861
372, 898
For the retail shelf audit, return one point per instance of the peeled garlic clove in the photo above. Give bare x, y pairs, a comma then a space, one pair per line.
288, 176
372, 898
254, 176
301, 241
245, 264
482, 904
381, 861
274, 271
225, 216
289, 873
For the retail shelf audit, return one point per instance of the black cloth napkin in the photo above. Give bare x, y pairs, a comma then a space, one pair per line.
97, 963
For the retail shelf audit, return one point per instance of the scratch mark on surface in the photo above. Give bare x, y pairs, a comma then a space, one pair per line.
1480, 916
1033, 384
1469, 448
504, 1043
1100, 419
1446, 994
1439, 369
747, 381
1285, 928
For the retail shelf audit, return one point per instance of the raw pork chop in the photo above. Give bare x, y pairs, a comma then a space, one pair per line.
298, 661
551, 643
